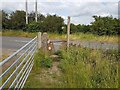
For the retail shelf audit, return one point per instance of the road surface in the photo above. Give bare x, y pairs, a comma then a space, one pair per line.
12, 44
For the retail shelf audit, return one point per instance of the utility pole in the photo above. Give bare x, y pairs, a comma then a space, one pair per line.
68, 32
119, 10
26, 12
36, 11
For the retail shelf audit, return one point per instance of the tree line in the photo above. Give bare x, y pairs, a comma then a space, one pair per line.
55, 24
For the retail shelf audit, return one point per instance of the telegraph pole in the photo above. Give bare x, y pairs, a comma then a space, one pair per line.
26, 12
36, 11
68, 32
119, 10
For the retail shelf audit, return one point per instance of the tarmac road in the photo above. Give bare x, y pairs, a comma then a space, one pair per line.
12, 44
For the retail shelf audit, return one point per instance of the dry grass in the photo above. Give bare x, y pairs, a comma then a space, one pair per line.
18, 33
88, 37
76, 36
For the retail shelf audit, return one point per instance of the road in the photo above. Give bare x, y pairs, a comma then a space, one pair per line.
12, 44
89, 44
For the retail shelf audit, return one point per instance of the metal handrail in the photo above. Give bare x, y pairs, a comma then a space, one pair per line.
25, 70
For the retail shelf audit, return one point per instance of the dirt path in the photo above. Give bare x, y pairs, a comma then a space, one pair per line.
51, 73
49, 76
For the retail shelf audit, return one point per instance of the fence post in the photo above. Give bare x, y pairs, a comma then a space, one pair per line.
68, 32
39, 40
44, 42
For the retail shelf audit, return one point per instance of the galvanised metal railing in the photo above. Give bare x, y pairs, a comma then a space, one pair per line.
18, 72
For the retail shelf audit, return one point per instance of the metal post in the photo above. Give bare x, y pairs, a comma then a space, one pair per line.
36, 11
26, 13
68, 32
39, 40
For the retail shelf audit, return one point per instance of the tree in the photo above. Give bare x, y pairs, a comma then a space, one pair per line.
105, 25
18, 19
73, 28
53, 23
5, 20
40, 17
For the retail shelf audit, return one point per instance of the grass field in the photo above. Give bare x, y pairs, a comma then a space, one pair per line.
77, 36
77, 68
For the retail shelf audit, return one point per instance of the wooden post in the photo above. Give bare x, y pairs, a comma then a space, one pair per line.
39, 40
68, 32
26, 13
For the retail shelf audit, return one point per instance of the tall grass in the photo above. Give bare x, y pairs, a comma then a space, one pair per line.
87, 68
87, 37
76, 36
80, 68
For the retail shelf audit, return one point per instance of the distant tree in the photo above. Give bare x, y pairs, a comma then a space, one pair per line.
39, 16
105, 25
5, 20
17, 19
31, 17
73, 28
53, 23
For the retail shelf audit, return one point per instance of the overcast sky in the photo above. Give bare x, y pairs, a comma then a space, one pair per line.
81, 11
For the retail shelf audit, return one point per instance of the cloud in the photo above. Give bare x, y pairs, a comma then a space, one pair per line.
80, 10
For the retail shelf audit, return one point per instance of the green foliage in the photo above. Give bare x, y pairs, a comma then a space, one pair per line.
47, 62
87, 68
80, 68
42, 60
49, 24
105, 26
55, 24
35, 27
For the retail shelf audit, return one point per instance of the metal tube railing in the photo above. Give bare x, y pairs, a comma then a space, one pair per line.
27, 75
25, 70
15, 70
26, 64
7, 59
6, 71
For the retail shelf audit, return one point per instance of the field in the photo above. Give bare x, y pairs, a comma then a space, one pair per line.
77, 68
76, 36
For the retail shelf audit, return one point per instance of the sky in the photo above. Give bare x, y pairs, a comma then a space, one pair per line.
81, 11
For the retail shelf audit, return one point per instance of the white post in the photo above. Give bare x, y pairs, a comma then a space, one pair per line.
119, 10
39, 40
36, 11
26, 12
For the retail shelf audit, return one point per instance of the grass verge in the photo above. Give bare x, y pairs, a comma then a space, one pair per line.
76, 36
79, 68
18, 33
